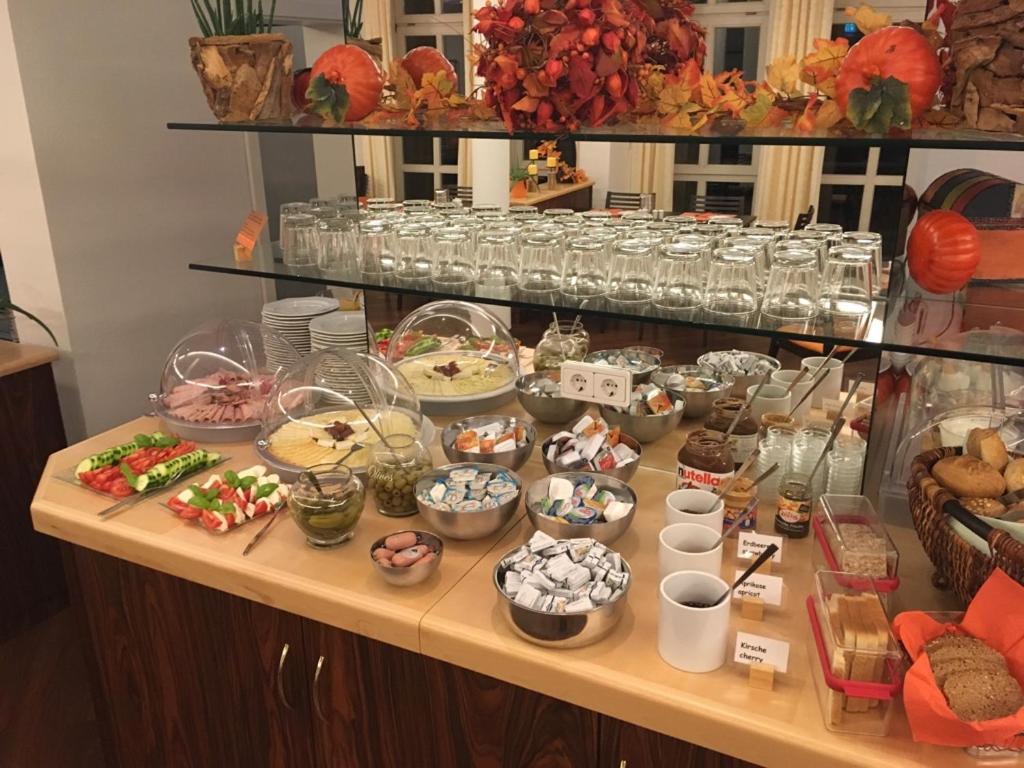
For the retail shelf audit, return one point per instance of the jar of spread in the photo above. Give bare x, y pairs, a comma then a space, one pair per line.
793, 516
744, 436
741, 497
779, 420
704, 462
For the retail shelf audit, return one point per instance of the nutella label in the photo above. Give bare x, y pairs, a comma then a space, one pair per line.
742, 447
701, 479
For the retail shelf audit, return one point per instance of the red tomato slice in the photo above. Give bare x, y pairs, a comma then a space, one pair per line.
210, 520
121, 488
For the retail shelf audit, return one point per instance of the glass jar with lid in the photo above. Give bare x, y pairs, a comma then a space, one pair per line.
705, 461
326, 502
394, 470
744, 436
793, 506
553, 349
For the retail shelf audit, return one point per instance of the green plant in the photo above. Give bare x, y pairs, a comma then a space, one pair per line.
220, 17
352, 18
6, 304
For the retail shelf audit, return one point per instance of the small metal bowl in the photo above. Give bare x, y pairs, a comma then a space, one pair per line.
560, 630
467, 526
742, 381
646, 429
513, 459
549, 410
640, 363
623, 473
413, 574
606, 533
698, 402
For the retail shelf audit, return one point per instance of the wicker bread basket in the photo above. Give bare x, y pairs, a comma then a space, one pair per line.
958, 564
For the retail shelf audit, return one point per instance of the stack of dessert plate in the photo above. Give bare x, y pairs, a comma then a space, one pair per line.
291, 318
339, 329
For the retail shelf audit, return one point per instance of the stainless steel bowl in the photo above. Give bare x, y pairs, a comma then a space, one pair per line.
413, 574
740, 381
549, 410
641, 364
560, 630
513, 459
646, 429
698, 402
623, 473
606, 533
467, 525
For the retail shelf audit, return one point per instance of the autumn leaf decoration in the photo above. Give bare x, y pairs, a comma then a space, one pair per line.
886, 104
867, 18
436, 92
820, 67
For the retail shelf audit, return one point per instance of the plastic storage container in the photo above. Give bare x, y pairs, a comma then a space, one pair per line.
321, 409
458, 358
850, 537
217, 379
856, 663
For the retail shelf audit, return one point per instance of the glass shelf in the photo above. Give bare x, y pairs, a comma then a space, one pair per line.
719, 132
894, 326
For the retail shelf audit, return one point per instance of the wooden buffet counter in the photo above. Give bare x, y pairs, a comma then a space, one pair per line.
578, 196
594, 706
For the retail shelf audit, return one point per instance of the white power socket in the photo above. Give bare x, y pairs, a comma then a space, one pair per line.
604, 384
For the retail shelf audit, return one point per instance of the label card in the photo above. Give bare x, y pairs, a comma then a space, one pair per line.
768, 588
752, 649
248, 235
751, 544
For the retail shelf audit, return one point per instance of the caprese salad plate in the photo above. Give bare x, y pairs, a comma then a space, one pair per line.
224, 502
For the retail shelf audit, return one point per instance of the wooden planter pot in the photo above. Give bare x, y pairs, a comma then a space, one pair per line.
246, 78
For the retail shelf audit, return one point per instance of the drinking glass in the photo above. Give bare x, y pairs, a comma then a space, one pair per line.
497, 259
792, 289
775, 227
631, 278
727, 223
809, 241
413, 252
846, 285
679, 277
378, 201
682, 220
808, 446
834, 232
846, 465
662, 231
415, 205
337, 241
756, 245
584, 273
347, 203
452, 262
299, 240
376, 246
596, 216
731, 285
776, 447
485, 208
558, 212
522, 210
289, 209
540, 261
871, 241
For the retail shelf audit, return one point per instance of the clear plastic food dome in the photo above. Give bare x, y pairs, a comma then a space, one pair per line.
323, 410
457, 356
218, 377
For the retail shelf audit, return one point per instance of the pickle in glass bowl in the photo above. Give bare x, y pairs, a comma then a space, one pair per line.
326, 503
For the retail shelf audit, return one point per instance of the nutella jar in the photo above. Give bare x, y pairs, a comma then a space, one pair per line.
793, 515
705, 461
744, 436
741, 497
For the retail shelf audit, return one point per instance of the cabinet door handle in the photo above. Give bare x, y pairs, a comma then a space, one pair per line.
320, 664
280, 677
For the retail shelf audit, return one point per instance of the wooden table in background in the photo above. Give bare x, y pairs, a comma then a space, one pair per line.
579, 197
31, 578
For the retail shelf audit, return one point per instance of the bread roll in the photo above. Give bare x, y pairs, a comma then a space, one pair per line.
987, 445
1015, 475
984, 507
968, 477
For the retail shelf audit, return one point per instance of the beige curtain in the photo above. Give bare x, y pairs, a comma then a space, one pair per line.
651, 169
378, 152
468, 83
788, 177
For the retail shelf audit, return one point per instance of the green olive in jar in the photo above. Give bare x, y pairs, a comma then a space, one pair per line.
393, 473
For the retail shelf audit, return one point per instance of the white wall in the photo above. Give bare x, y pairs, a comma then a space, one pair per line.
926, 165
128, 203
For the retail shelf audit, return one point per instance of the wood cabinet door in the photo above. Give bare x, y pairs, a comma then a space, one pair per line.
488, 723
624, 745
369, 702
188, 676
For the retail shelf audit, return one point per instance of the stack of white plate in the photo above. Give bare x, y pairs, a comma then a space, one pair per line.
291, 318
339, 329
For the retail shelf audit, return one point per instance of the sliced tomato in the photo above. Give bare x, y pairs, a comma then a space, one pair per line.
210, 520
121, 488
225, 492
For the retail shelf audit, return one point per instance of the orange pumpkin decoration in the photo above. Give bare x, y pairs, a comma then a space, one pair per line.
419, 61
345, 84
943, 251
896, 52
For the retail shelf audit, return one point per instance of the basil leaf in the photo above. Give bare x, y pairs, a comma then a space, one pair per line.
129, 475
231, 478
265, 490
144, 441
247, 483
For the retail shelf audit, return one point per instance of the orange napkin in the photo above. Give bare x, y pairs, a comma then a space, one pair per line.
996, 616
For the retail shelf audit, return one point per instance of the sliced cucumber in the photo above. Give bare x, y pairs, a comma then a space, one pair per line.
165, 472
114, 455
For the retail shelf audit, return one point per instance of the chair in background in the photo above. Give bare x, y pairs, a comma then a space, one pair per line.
803, 219
718, 204
465, 194
624, 201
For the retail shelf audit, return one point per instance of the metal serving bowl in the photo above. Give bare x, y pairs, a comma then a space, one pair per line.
741, 381
698, 402
467, 525
413, 574
513, 459
646, 429
624, 473
606, 533
549, 410
560, 630
640, 363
